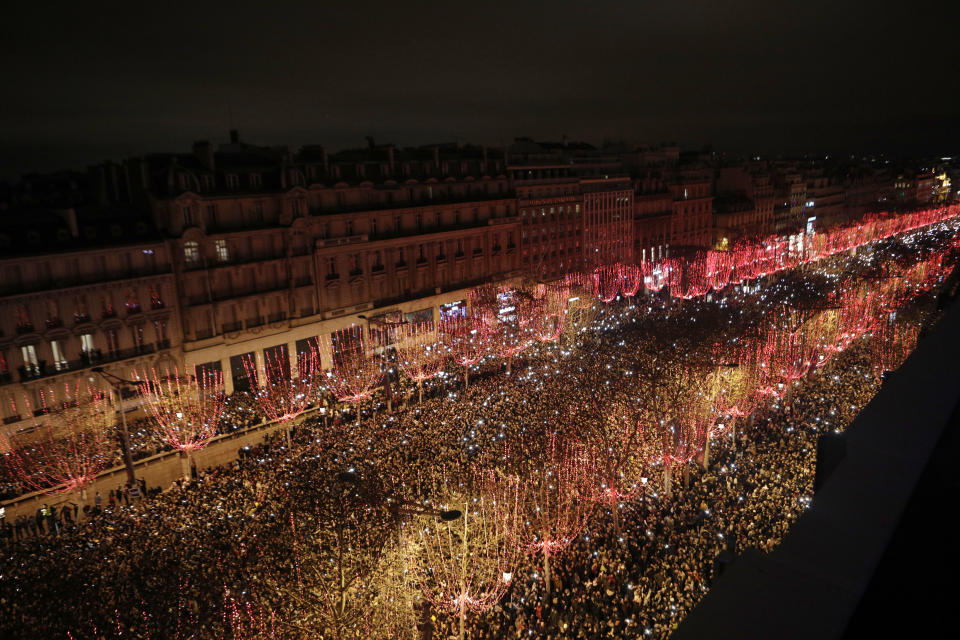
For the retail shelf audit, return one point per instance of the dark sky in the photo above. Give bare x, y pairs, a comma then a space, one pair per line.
89, 80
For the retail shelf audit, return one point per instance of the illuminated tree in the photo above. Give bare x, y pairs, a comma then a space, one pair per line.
67, 450
354, 373
891, 345
185, 408
282, 397
466, 565
515, 328
249, 622
606, 281
468, 338
677, 440
631, 279
615, 435
559, 478
551, 312
421, 352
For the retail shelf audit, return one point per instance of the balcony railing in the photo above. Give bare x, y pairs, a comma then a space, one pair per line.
87, 359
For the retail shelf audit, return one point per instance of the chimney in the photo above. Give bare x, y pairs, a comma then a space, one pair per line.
234, 136
203, 150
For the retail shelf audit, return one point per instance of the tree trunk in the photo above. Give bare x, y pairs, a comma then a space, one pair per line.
185, 465
420, 392
466, 377
706, 454
667, 478
546, 569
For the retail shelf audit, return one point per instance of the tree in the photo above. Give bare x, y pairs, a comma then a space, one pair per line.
421, 352
551, 312
468, 338
282, 397
465, 565
68, 448
354, 374
559, 477
185, 408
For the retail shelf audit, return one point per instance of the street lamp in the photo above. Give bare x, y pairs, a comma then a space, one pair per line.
119, 384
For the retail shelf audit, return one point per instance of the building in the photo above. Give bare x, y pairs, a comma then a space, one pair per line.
109, 299
227, 252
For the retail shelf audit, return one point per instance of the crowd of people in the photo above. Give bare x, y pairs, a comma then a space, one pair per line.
173, 564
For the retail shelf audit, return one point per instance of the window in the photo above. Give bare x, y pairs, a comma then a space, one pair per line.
86, 342
208, 183
187, 216
191, 252
59, 357
297, 211
112, 345
233, 181
137, 332
160, 329
223, 251
349, 227
258, 208
396, 223
212, 215
331, 266
373, 226
255, 181
29, 355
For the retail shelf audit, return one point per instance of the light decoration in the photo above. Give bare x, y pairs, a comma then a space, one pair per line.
468, 338
68, 447
752, 259
550, 312
354, 373
421, 352
185, 408
249, 622
558, 498
460, 565
281, 396
891, 344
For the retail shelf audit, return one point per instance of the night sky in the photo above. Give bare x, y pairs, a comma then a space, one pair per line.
89, 81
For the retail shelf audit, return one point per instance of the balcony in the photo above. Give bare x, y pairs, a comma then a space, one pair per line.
232, 327
87, 359
279, 316
254, 322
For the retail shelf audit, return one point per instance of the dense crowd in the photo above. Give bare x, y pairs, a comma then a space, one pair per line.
160, 567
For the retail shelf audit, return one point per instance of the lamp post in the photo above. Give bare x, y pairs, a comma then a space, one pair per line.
119, 384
